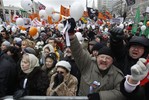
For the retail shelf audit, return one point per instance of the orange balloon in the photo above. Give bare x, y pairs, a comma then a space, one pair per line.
33, 31
23, 28
147, 24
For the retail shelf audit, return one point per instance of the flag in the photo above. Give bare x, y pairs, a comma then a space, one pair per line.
36, 22
136, 21
41, 6
130, 2
92, 13
64, 11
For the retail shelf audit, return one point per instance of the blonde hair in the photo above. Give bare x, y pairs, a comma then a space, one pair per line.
29, 43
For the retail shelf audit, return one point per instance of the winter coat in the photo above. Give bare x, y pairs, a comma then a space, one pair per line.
67, 88
109, 84
8, 76
140, 93
37, 82
49, 72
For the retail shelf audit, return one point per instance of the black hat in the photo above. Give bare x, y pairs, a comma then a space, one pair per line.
53, 57
139, 40
105, 50
97, 46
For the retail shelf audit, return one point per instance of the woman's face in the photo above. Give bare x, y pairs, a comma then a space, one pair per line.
23, 45
46, 52
49, 62
25, 63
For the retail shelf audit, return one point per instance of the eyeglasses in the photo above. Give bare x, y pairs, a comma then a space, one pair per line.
60, 72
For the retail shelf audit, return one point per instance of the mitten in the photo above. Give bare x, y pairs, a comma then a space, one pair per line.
139, 70
93, 96
72, 24
58, 80
116, 34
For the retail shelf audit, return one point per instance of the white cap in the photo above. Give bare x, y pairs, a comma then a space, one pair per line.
64, 64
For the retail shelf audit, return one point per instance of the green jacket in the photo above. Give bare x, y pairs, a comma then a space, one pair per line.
110, 83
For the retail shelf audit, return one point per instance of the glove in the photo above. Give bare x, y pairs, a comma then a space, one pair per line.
72, 23
117, 34
58, 80
93, 96
140, 70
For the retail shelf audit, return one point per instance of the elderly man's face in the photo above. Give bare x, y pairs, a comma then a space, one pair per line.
104, 61
136, 51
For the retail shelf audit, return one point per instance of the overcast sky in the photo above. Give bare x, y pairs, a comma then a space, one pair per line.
54, 3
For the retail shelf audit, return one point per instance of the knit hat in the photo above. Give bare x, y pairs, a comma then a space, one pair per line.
52, 56
105, 50
64, 64
6, 43
30, 50
97, 46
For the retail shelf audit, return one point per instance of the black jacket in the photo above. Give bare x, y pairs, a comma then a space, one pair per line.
122, 59
8, 76
140, 93
37, 82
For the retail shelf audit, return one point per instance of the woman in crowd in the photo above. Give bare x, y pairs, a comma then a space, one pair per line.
49, 66
32, 80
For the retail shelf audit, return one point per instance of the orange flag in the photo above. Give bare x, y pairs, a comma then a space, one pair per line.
64, 11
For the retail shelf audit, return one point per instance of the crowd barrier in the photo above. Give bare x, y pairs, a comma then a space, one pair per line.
47, 98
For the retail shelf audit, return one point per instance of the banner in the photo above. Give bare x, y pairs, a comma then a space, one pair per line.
41, 6
130, 2
92, 13
64, 11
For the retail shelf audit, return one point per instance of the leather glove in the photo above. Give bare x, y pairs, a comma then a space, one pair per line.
93, 96
72, 24
140, 70
116, 34
58, 80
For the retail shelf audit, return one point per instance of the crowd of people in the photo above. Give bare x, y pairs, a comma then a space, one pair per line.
100, 65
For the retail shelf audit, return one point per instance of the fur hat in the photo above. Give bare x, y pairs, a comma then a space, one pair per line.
105, 50
64, 64
6, 43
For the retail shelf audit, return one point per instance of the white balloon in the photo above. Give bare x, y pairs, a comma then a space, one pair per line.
55, 17
121, 26
143, 28
20, 21
140, 23
14, 29
101, 27
43, 14
106, 29
1, 27
49, 10
88, 26
76, 10
27, 5
93, 26
60, 26
38, 28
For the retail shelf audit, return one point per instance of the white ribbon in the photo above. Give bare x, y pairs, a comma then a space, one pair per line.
65, 31
24, 84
